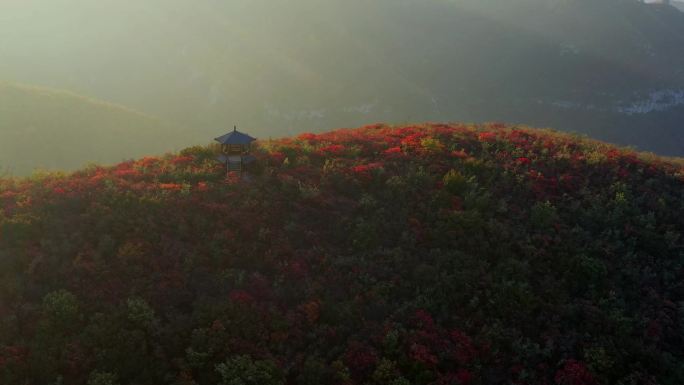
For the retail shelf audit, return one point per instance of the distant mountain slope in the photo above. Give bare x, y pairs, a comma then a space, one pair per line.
679, 5
426, 255
43, 128
312, 64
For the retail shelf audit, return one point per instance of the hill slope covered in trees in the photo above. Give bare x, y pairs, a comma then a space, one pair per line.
52, 129
434, 254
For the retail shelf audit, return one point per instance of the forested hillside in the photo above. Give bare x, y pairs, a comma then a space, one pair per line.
432, 254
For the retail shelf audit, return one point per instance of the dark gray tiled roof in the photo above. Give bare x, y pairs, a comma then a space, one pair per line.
235, 137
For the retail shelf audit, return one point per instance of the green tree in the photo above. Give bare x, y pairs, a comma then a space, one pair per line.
243, 370
140, 312
455, 182
61, 309
102, 378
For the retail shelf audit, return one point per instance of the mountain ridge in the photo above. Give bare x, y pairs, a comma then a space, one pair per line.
55, 92
55, 129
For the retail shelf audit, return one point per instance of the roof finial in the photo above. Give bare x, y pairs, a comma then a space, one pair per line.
234, 128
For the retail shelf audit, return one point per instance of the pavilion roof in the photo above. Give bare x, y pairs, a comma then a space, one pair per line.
235, 137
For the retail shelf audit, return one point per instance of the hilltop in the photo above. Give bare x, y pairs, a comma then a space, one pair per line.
42, 128
424, 254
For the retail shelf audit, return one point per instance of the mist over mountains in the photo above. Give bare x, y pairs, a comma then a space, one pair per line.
613, 69
678, 4
50, 129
